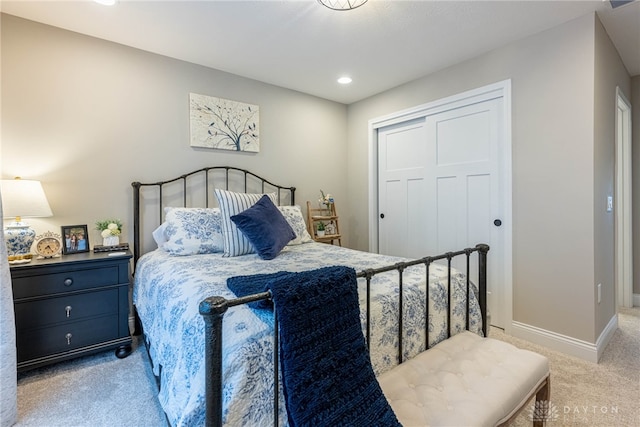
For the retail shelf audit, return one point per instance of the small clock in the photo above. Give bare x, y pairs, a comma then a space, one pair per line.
48, 245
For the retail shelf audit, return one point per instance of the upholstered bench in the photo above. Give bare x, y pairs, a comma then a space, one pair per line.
466, 380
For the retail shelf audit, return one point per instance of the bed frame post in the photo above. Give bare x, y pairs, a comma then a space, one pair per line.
136, 221
212, 310
482, 284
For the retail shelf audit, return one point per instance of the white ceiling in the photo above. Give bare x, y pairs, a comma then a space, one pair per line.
301, 45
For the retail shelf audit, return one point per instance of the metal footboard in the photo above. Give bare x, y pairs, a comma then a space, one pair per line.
213, 309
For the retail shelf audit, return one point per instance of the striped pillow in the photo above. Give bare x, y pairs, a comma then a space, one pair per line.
235, 242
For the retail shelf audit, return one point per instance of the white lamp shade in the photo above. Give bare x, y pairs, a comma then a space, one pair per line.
23, 198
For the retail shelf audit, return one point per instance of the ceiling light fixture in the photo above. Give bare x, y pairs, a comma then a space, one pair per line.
344, 80
618, 3
342, 4
106, 2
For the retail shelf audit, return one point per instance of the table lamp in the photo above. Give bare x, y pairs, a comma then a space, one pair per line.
22, 198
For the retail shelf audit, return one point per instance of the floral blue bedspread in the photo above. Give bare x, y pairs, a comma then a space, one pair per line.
168, 290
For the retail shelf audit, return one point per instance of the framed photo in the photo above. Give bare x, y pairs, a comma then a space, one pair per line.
75, 239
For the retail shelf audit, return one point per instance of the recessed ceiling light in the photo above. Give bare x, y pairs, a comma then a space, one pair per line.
106, 2
344, 80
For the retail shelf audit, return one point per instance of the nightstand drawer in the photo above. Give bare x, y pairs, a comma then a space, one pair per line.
58, 339
67, 308
74, 280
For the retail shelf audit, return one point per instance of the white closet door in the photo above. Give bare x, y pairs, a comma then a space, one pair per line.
440, 188
464, 195
401, 189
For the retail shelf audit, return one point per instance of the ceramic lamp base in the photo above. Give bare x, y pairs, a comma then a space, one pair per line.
19, 238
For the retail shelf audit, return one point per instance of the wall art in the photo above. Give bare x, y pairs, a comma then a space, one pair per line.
224, 124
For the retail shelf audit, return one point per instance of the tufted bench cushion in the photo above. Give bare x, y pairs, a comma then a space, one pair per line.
465, 380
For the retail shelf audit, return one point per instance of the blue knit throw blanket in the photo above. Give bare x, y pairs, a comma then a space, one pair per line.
327, 375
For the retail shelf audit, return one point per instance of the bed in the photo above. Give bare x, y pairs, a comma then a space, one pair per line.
222, 373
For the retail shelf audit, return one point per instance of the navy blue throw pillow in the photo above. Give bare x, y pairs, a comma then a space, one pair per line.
265, 227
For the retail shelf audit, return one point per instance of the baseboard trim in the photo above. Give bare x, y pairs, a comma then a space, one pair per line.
606, 335
565, 344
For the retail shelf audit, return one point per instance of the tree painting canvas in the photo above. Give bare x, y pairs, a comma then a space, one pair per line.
223, 124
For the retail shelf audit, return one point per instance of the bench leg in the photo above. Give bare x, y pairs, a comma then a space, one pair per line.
542, 405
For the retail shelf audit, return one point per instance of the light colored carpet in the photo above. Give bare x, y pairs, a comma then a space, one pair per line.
97, 390
102, 390
589, 394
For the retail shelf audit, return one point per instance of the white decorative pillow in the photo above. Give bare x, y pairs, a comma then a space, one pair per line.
293, 215
159, 235
191, 231
235, 242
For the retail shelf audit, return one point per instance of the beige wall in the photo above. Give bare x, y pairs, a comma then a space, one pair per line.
610, 73
553, 161
635, 135
87, 117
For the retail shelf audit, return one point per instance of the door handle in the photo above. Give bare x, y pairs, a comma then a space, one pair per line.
382, 216
497, 222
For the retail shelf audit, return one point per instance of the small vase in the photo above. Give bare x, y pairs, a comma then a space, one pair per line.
325, 209
320, 233
111, 241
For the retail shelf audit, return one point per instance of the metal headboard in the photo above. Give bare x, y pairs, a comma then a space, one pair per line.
182, 191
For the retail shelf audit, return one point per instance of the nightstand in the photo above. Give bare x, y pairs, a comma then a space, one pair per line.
71, 306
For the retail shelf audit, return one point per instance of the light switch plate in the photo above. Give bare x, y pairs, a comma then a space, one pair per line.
609, 203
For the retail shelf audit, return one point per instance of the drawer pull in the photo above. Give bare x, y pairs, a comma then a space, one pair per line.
68, 310
68, 337
68, 282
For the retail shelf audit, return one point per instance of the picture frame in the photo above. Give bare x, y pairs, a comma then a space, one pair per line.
75, 239
224, 124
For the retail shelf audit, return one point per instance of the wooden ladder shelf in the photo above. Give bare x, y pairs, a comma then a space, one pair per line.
329, 218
